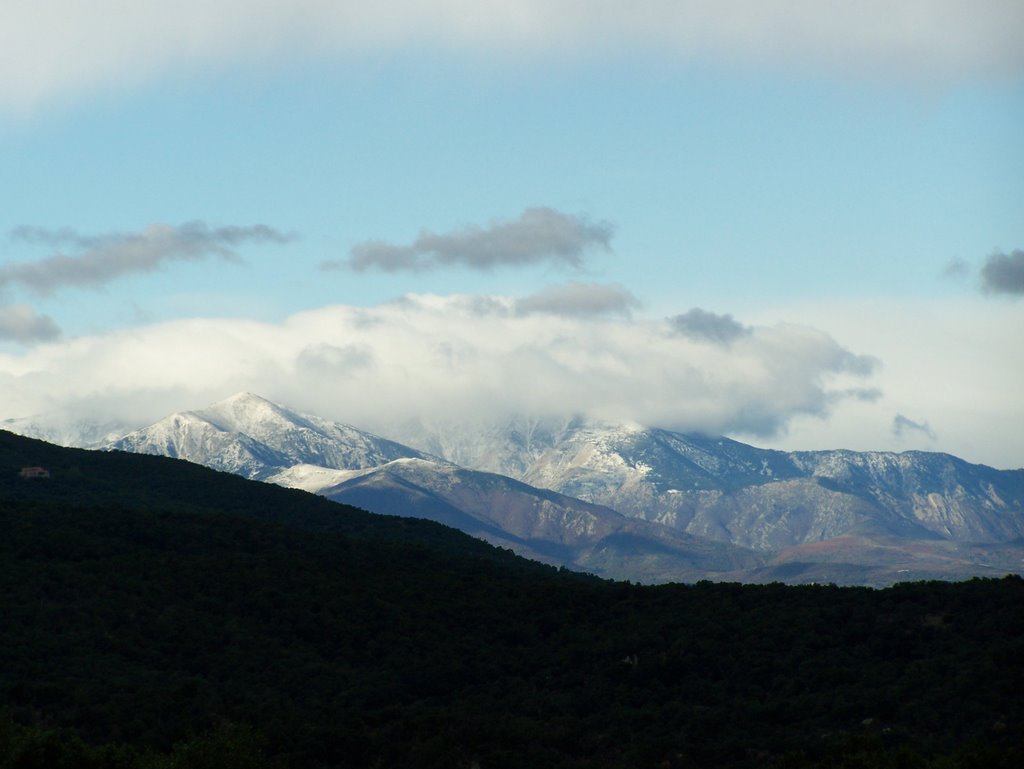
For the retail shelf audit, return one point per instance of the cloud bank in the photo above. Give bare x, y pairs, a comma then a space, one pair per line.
106, 257
107, 43
443, 358
537, 235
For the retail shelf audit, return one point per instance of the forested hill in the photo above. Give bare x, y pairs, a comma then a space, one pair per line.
158, 614
81, 478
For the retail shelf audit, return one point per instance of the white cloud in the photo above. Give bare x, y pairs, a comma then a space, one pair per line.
55, 47
950, 365
953, 365
441, 357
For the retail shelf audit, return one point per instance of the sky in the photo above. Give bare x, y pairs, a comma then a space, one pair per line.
797, 223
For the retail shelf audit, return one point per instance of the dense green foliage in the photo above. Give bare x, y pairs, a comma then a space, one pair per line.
157, 614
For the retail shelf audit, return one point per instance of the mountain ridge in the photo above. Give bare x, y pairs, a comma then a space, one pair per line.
724, 508
704, 485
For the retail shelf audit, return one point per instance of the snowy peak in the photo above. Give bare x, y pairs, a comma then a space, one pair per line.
560, 454
248, 413
251, 436
191, 436
719, 488
508, 447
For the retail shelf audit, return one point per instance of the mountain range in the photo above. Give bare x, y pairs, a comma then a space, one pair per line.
628, 502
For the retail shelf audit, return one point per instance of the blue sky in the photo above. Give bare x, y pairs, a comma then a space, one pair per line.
833, 185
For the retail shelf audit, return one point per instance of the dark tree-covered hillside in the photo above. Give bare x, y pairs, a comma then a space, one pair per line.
157, 614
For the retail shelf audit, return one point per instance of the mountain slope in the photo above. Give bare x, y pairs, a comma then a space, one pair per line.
81, 478
541, 524
147, 601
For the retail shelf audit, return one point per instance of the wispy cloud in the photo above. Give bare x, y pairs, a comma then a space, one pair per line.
1004, 273
580, 300
109, 42
903, 427
705, 326
103, 258
536, 235
956, 268
20, 323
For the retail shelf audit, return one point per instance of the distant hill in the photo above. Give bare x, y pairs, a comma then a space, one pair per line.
171, 615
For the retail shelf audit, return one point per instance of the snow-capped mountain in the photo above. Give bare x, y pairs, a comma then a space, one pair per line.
633, 502
732, 492
248, 435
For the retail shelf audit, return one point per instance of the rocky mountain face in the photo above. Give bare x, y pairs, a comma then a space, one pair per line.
536, 523
947, 496
763, 499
